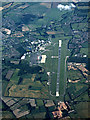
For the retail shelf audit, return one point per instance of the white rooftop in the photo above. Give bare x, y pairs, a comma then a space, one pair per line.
43, 58
57, 94
60, 42
23, 57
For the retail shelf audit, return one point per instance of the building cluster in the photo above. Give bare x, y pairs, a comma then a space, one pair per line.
78, 66
58, 113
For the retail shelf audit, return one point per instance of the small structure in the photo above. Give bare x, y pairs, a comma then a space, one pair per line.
51, 32
57, 93
25, 28
39, 58
60, 42
23, 57
84, 55
8, 32
1, 8
15, 62
58, 113
43, 58
48, 73
54, 56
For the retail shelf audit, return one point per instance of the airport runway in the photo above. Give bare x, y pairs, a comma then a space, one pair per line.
58, 73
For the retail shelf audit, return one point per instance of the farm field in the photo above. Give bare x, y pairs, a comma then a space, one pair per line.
26, 87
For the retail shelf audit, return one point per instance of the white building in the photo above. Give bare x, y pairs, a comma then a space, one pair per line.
57, 94
43, 58
23, 57
60, 42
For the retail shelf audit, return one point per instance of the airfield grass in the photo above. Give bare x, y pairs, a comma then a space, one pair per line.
52, 63
53, 84
54, 69
64, 52
62, 68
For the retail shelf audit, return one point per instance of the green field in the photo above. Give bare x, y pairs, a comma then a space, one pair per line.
15, 76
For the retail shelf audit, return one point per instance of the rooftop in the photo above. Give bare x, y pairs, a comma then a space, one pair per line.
43, 58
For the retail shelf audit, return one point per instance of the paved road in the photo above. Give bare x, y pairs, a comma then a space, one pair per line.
58, 73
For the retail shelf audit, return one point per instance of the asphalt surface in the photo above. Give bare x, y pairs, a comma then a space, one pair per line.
58, 73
